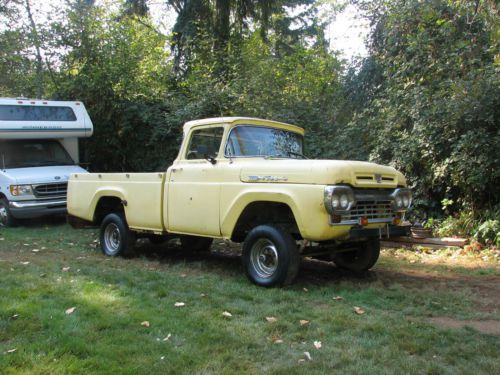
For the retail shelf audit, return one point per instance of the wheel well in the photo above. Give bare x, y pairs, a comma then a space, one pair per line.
107, 205
257, 213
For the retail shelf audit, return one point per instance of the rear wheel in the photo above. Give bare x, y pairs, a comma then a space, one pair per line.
116, 238
270, 256
196, 244
361, 259
6, 218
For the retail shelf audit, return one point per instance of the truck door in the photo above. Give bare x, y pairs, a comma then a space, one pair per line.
193, 192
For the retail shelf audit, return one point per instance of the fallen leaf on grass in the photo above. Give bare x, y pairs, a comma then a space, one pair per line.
271, 319
179, 304
308, 356
303, 322
276, 339
227, 314
359, 310
338, 298
11, 350
145, 324
70, 311
317, 344
167, 337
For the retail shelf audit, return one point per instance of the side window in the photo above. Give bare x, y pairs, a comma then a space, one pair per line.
204, 143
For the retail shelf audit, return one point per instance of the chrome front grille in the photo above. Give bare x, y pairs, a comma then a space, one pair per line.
379, 211
50, 190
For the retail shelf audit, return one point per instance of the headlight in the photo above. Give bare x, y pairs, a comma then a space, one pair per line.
401, 199
21, 190
338, 199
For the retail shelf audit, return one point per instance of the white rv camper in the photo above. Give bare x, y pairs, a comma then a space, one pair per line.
38, 152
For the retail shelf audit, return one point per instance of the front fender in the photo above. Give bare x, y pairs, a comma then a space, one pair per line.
305, 201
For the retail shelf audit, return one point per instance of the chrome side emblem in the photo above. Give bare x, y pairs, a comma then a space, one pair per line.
57, 177
378, 178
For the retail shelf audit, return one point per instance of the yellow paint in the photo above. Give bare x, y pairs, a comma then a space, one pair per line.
200, 198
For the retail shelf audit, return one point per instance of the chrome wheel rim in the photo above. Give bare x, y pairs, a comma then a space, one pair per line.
112, 238
3, 215
264, 258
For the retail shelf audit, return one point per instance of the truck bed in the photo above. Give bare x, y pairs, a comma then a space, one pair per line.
141, 195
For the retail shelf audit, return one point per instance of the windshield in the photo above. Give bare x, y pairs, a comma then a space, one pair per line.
33, 153
249, 140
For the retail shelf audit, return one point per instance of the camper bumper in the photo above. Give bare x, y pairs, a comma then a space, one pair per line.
33, 209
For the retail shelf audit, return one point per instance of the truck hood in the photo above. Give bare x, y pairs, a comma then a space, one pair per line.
36, 175
321, 172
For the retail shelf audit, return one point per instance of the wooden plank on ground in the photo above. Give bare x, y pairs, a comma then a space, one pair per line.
447, 241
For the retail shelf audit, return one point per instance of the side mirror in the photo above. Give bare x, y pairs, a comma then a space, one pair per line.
211, 159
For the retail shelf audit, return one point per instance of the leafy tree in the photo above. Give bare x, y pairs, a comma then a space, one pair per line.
433, 111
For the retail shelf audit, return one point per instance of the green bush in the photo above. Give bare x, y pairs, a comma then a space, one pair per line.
484, 228
488, 232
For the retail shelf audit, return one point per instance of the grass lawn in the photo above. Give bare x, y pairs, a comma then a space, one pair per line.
424, 313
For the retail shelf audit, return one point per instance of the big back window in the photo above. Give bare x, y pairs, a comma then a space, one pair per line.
36, 113
205, 143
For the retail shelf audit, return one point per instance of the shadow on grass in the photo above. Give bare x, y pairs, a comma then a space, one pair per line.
228, 262
42, 222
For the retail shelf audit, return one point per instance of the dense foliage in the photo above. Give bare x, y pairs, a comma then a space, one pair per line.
425, 100
432, 98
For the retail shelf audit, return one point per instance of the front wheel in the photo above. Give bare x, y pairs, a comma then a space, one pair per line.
270, 256
361, 259
116, 238
6, 218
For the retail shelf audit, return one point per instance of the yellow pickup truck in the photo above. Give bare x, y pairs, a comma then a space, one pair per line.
246, 180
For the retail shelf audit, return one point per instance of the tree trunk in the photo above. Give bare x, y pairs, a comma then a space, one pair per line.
37, 44
222, 15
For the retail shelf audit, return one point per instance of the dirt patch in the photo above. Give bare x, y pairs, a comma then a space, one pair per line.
485, 289
490, 327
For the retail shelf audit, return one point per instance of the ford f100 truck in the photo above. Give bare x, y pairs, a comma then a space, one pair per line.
246, 180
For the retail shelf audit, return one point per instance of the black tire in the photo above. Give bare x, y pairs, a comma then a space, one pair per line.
6, 218
359, 260
270, 256
194, 244
116, 238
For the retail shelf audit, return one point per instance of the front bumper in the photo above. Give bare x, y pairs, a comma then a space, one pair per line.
34, 209
386, 231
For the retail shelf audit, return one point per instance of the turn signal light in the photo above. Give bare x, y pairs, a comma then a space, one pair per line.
363, 221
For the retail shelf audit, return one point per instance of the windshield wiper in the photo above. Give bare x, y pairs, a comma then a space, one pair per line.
289, 153
53, 162
297, 154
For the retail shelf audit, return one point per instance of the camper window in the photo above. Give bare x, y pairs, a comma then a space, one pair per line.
29, 113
